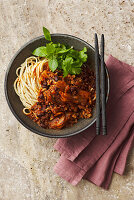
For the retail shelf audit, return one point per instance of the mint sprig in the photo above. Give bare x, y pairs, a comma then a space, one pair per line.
62, 57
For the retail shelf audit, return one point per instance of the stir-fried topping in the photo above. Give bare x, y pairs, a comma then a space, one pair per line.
64, 100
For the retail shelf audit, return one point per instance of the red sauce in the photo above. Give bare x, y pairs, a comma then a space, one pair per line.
62, 101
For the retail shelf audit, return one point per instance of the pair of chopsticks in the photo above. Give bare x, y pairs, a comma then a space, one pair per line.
100, 102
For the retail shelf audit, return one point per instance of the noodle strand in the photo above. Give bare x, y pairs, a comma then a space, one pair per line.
27, 83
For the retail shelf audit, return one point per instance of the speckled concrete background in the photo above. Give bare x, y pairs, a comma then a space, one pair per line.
27, 160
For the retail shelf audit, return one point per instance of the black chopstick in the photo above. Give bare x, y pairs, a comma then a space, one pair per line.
97, 70
103, 89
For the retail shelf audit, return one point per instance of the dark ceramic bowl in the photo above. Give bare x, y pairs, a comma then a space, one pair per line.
14, 101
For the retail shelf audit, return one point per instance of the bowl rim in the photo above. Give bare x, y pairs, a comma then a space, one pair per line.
8, 101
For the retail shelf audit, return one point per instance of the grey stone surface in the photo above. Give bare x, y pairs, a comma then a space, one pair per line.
27, 160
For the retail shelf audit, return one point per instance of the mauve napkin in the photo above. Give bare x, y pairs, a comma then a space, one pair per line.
95, 158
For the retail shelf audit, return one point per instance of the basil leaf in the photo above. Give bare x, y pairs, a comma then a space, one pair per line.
46, 34
50, 49
40, 51
53, 64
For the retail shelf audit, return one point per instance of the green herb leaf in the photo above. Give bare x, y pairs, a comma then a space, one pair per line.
83, 55
50, 49
64, 50
75, 70
61, 56
73, 53
46, 34
65, 73
66, 66
53, 64
40, 51
68, 61
77, 64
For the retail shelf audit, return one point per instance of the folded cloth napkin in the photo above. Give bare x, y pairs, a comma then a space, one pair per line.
93, 157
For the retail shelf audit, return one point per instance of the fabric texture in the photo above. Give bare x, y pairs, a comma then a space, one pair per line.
93, 157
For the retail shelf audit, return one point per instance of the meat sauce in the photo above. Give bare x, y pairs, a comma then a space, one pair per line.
63, 101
